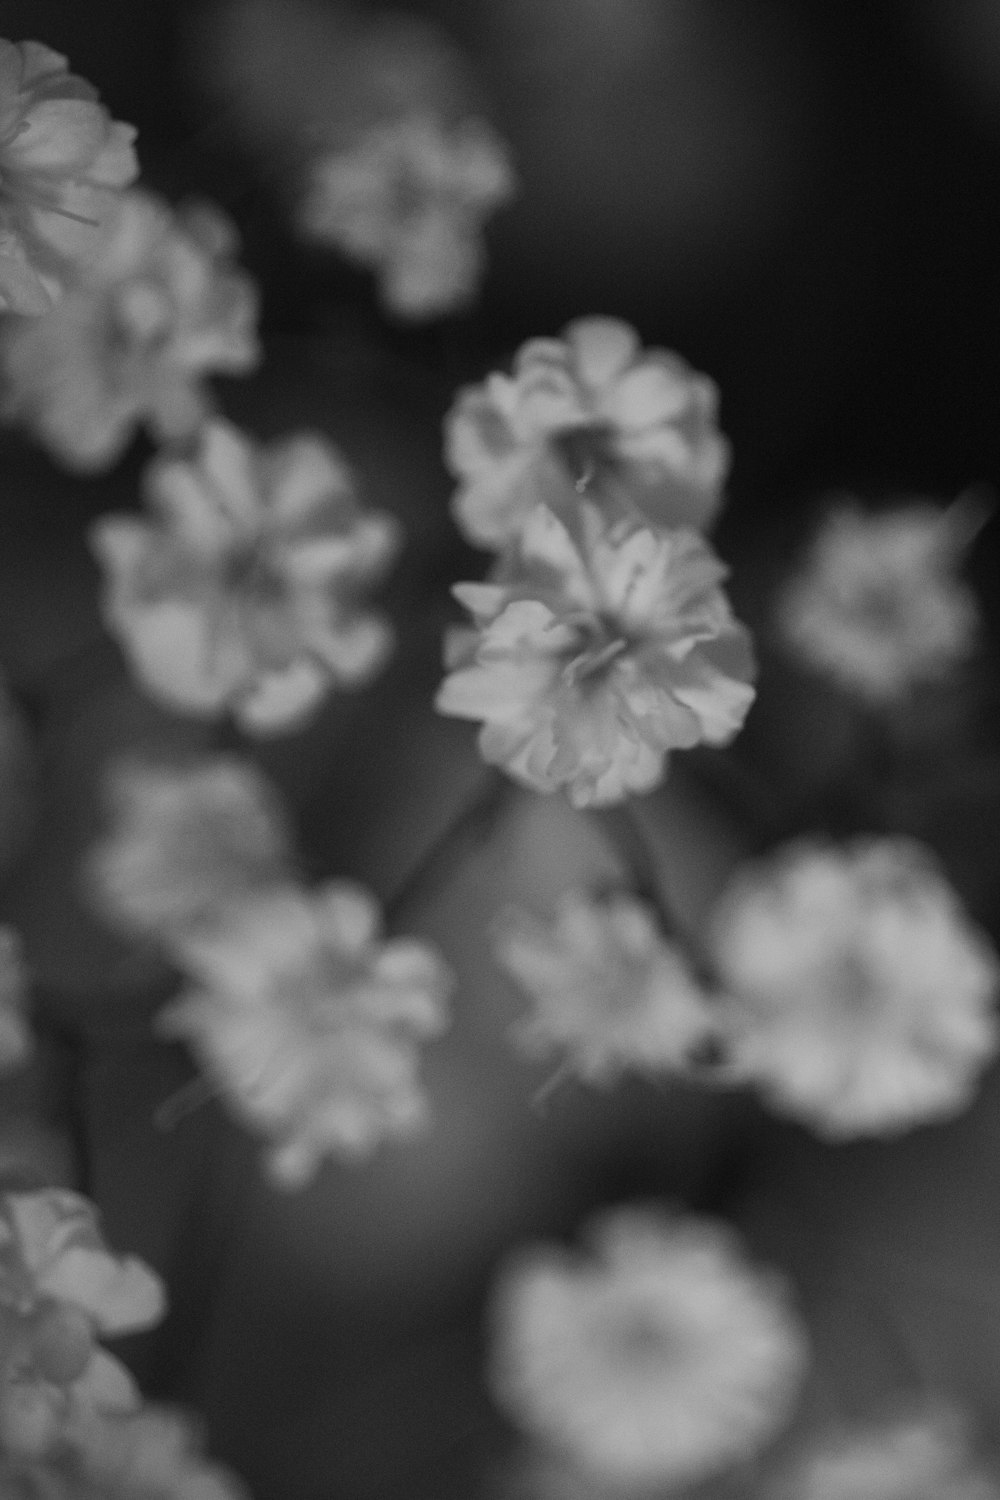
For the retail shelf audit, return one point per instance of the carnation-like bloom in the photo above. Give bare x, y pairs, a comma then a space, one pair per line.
879, 605
662, 1358
609, 991
863, 1000
309, 1021
242, 591
408, 198
16, 1040
591, 413
184, 842
60, 1288
62, 158
160, 307
599, 648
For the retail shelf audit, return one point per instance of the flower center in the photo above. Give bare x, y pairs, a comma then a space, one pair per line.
586, 454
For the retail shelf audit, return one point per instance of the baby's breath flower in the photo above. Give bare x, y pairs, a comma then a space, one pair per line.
609, 991
598, 649
863, 1000
310, 1022
590, 413
664, 1358
61, 159
161, 306
242, 592
16, 1040
407, 197
60, 1288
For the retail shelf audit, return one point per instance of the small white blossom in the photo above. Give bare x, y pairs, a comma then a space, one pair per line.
407, 197
60, 1288
879, 605
242, 591
863, 1000
609, 991
599, 649
159, 308
310, 1022
595, 413
61, 159
664, 1358
16, 1041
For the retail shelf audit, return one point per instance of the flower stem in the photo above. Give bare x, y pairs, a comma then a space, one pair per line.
463, 835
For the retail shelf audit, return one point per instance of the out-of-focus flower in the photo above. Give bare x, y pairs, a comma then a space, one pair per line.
600, 648
591, 413
408, 198
243, 593
16, 1041
185, 841
663, 1359
609, 991
161, 306
863, 1000
60, 1288
61, 159
309, 1022
879, 605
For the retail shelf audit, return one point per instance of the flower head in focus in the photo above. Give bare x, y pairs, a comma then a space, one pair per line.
160, 307
62, 159
16, 1040
599, 648
863, 1000
609, 991
185, 841
879, 605
310, 1022
407, 197
60, 1288
660, 1360
591, 413
243, 591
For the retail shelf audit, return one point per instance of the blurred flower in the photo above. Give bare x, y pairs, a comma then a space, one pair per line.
242, 594
665, 1358
608, 989
60, 1287
61, 158
161, 306
16, 1041
309, 1022
186, 840
591, 413
408, 197
863, 999
600, 648
878, 605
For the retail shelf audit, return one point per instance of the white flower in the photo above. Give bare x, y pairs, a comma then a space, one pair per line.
60, 1288
16, 1041
407, 197
61, 159
863, 999
310, 1022
590, 413
609, 991
597, 651
879, 605
242, 591
185, 841
159, 308
663, 1358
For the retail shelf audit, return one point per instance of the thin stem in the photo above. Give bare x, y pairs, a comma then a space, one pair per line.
463, 835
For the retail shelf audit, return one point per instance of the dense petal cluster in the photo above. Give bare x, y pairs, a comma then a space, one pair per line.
663, 1358
407, 198
161, 306
62, 158
609, 991
600, 648
243, 591
310, 1022
591, 413
60, 1288
879, 605
15, 1033
863, 1000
